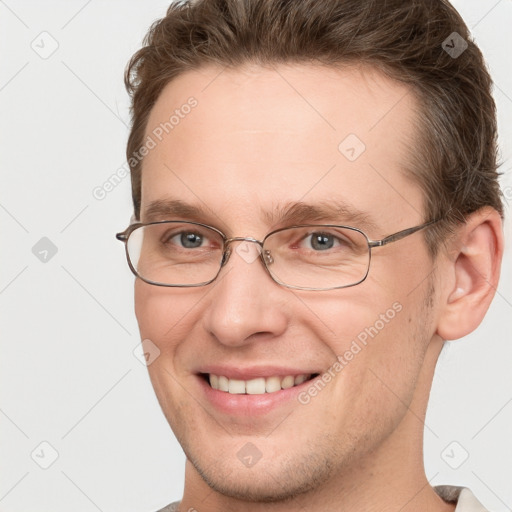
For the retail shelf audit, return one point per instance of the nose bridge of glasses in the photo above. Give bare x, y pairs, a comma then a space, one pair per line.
267, 257
241, 239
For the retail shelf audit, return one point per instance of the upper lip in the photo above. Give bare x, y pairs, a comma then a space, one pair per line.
253, 372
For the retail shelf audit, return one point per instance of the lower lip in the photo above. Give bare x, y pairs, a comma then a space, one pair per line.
251, 405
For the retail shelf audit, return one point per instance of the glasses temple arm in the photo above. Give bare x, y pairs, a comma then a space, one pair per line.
401, 234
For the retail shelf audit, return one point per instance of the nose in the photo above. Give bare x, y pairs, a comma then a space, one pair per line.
245, 304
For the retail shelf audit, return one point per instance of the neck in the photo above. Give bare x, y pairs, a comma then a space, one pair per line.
390, 478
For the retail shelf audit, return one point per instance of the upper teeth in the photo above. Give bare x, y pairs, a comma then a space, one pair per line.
256, 386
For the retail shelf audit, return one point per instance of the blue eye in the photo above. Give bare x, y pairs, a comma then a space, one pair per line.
322, 241
189, 240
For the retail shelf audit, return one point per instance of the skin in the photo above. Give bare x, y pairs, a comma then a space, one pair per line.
253, 142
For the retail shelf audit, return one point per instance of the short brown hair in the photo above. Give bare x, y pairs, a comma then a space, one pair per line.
455, 163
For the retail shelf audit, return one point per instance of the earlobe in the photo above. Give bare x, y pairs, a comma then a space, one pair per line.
474, 268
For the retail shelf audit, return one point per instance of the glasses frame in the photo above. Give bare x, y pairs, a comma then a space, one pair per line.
265, 258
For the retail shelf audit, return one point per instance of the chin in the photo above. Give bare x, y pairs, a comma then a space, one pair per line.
265, 482
279, 475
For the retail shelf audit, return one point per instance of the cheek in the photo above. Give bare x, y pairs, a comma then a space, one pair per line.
379, 339
360, 313
164, 314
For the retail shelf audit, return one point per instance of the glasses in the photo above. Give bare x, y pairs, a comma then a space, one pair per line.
305, 257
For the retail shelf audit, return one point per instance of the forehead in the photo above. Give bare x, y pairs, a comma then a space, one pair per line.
241, 143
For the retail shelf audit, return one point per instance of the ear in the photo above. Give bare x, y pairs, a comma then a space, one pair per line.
472, 272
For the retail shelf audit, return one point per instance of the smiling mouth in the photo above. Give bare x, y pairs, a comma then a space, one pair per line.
257, 386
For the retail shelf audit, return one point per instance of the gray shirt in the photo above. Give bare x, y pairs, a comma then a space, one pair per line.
465, 499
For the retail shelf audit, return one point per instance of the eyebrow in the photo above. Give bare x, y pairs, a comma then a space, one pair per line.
334, 211
167, 209
297, 212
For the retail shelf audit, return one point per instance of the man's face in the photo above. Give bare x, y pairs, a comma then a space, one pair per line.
258, 140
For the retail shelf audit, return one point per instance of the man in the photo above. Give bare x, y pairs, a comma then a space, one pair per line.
316, 212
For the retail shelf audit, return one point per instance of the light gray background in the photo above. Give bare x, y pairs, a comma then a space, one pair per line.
68, 373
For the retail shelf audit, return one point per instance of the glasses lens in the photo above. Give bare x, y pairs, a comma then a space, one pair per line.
175, 253
318, 256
